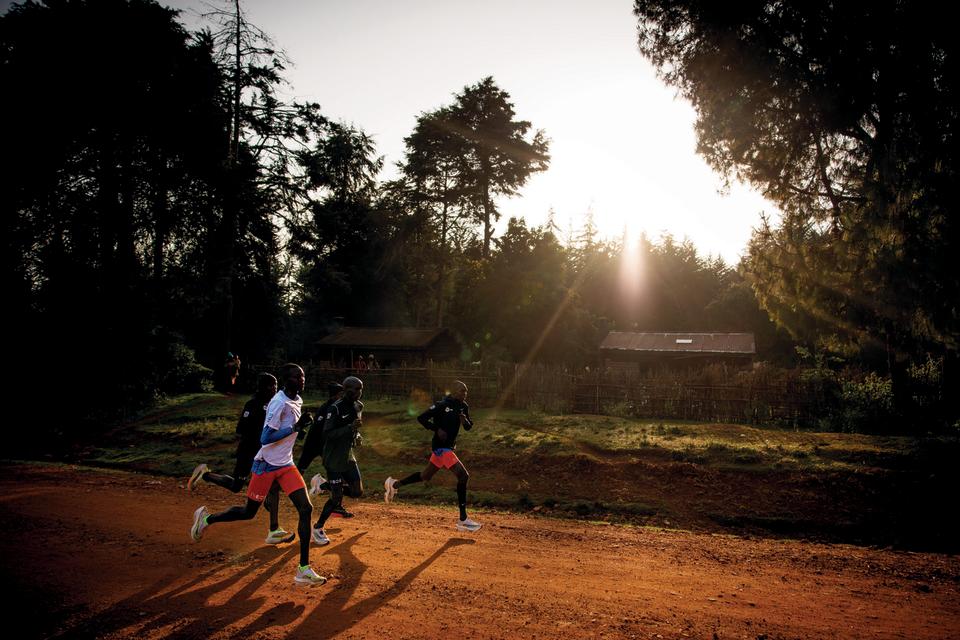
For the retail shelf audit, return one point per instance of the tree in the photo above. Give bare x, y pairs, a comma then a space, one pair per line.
107, 178
843, 114
349, 268
262, 139
498, 156
436, 166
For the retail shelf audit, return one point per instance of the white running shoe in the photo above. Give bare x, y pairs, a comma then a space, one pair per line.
279, 536
388, 491
197, 476
306, 575
199, 523
315, 483
319, 537
468, 525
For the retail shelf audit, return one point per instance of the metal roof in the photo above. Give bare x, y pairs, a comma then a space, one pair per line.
383, 337
732, 343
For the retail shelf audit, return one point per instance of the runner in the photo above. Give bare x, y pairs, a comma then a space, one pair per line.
341, 430
445, 419
313, 447
249, 426
274, 463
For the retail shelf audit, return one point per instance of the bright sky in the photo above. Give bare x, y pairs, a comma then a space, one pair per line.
622, 145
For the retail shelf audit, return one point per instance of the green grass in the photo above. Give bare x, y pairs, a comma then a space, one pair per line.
185, 430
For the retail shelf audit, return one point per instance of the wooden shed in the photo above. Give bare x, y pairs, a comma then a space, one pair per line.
642, 349
391, 346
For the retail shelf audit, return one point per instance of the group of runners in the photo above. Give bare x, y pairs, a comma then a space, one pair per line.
269, 426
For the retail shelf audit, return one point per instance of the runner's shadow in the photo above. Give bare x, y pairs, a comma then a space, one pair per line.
332, 616
186, 607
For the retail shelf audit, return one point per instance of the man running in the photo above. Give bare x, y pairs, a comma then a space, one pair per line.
445, 419
341, 431
313, 447
274, 463
249, 426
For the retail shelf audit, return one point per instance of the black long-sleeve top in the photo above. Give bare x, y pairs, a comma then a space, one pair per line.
445, 415
250, 424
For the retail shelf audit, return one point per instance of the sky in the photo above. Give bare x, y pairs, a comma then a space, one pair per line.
622, 143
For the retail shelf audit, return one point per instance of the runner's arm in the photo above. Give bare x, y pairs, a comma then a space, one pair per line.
429, 418
271, 435
330, 428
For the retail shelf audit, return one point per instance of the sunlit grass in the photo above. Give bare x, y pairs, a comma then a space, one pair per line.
182, 432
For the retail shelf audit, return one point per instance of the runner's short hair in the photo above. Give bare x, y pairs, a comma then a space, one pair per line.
286, 369
264, 380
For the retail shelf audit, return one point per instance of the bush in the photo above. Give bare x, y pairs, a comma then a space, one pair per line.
866, 405
177, 368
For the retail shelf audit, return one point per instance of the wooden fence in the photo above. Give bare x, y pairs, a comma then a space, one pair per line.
554, 389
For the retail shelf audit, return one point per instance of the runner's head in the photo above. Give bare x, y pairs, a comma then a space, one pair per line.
334, 389
293, 378
459, 391
352, 388
266, 385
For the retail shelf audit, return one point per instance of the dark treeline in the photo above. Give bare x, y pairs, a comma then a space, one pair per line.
163, 205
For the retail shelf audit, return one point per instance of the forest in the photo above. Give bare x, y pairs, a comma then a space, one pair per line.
163, 204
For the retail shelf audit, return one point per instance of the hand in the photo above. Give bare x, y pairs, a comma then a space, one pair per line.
304, 422
358, 440
442, 435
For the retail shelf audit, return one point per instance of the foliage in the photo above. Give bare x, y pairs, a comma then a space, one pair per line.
840, 114
181, 208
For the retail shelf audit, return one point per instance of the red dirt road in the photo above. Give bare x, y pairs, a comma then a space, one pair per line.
101, 554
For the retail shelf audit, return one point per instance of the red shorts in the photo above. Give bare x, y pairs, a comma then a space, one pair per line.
443, 458
288, 478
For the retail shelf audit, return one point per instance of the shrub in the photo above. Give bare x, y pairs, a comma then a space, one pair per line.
866, 405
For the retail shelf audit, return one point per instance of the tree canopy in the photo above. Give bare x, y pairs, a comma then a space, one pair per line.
845, 115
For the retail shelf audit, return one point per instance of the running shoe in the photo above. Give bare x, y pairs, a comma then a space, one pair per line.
197, 476
468, 525
388, 491
319, 537
306, 575
315, 483
199, 523
279, 536
340, 512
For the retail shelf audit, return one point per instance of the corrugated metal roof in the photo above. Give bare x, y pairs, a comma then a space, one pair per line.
384, 337
735, 343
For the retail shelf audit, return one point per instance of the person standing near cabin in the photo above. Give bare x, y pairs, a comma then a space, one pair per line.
231, 370
444, 419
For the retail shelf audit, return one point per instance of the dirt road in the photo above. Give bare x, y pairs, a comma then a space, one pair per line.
104, 554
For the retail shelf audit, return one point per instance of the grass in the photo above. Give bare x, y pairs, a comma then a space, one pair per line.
172, 437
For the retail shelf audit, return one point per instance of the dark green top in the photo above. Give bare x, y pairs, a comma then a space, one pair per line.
339, 430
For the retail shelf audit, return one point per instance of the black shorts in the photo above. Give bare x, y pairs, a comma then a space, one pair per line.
351, 476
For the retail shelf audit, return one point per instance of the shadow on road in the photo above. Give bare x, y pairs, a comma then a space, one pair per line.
333, 616
185, 610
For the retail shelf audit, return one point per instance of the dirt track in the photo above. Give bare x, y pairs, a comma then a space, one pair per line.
109, 556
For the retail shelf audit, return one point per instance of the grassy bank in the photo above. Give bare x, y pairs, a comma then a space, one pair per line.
853, 487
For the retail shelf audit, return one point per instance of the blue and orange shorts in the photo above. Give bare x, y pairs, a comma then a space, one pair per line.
443, 458
288, 478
